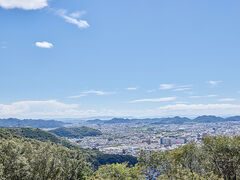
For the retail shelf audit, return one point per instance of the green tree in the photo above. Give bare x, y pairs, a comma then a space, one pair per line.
33, 160
118, 172
223, 154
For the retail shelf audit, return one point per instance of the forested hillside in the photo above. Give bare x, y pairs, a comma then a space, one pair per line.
24, 158
216, 158
76, 132
41, 135
96, 158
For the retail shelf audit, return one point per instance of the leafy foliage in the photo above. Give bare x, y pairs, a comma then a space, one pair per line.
103, 159
40, 135
118, 172
30, 160
24, 158
96, 158
217, 157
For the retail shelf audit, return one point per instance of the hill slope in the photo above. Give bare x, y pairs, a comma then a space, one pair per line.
96, 158
76, 132
37, 134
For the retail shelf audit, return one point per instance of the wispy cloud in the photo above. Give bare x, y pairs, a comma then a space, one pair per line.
174, 87
206, 96
35, 108
94, 92
73, 18
164, 99
214, 83
131, 88
166, 86
151, 90
44, 44
227, 100
56, 109
77, 14
23, 4
183, 88
196, 110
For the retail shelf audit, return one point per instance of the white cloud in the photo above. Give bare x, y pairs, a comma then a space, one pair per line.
35, 108
183, 88
131, 88
73, 18
23, 4
214, 83
165, 99
212, 95
85, 93
151, 90
77, 14
51, 109
55, 109
227, 99
175, 87
166, 86
196, 110
44, 44
207, 96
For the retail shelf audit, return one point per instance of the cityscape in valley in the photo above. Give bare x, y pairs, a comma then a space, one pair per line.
131, 138
125, 136
128, 138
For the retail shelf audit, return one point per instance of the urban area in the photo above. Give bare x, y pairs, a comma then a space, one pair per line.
130, 138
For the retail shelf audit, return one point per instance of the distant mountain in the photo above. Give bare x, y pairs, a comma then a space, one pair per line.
233, 118
13, 122
76, 132
118, 120
174, 120
95, 121
169, 120
208, 119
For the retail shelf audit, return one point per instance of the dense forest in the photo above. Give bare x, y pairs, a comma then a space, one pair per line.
40, 135
96, 158
25, 158
76, 132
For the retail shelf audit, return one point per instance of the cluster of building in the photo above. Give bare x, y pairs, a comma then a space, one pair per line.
131, 138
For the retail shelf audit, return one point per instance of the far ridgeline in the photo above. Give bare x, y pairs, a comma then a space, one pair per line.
168, 120
34, 123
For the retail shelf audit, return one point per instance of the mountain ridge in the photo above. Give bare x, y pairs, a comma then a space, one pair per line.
33, 123
167, 120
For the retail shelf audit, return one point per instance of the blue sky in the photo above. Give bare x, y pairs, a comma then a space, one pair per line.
138, 58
